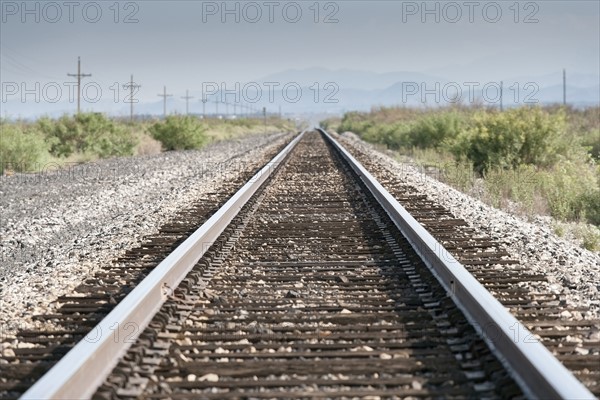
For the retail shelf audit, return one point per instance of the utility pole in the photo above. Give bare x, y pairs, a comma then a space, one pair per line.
204, 100
79, 75
217, 107
234, 109
187, 98
164, 96
265, 117
564, 87
226, 109
131, 86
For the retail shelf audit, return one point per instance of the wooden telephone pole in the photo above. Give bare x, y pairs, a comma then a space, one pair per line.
187, 98
79, 75
131, 86
164, 95
204, 100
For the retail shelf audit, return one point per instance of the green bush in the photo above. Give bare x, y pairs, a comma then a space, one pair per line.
425, 131
591, 141
571, 190
568, 190
590, 237
243, 122
542, 160
433, 130
518, 136
584, 128
330, 124
394, 136
179, 133
90, 133
21, 149
520, 184
590, 201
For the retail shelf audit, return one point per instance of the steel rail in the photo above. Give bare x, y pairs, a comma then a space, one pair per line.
83, 369
533, 367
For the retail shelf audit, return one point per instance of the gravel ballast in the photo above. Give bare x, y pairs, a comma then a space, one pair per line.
572, 272
57, 228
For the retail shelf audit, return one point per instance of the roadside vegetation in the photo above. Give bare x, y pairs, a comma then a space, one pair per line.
29, 146
528, 160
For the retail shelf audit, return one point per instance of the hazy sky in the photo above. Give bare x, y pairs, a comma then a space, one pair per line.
183, 43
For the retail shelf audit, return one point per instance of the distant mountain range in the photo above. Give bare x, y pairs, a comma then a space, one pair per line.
349, 79
335, 91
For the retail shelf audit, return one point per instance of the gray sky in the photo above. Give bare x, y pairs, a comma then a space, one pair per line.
183, 43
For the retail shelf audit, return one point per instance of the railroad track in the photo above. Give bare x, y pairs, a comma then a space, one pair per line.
571, 336
321, 286
36, 349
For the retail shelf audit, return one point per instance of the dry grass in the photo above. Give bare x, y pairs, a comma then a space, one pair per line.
147, 145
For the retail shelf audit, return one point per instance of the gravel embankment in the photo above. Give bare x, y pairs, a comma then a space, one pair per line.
57, 228
573, 272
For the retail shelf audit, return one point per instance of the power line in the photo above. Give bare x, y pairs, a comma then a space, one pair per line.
164, 96
13, 71
79, 75
131, 86
4, 47
13, 62
11, 57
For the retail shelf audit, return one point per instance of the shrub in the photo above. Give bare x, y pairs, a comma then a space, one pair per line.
331, 124
91, 133
541, 161
590, 237
433, 130
179, 133
423, 131
394, 136
590, 201
355, 122
591, 141
147, 145
459, 175
518, 136
21, 149
584, 126
571, 190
